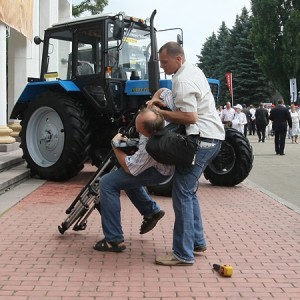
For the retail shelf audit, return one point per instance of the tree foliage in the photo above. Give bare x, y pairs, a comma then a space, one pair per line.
231, 51
92, 6
275, 37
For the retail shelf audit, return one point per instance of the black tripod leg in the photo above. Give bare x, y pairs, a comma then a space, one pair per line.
80, 206
90, 186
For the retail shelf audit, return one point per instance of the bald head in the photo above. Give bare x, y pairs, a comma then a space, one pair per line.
149, 121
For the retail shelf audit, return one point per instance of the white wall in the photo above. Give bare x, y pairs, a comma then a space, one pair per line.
2, 74
24, 56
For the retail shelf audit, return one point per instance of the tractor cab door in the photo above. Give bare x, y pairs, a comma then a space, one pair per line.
86, 66
91, 65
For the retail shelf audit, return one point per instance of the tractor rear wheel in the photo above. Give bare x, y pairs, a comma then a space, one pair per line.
234, 161
231, 166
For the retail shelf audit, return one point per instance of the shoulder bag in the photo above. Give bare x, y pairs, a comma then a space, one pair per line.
169, 146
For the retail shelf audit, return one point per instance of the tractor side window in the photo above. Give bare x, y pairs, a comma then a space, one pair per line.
85, 63
89, 51
58, 59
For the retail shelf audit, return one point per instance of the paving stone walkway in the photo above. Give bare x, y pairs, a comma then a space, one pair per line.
245, 228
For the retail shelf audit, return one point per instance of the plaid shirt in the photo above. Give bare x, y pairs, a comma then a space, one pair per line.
141, 161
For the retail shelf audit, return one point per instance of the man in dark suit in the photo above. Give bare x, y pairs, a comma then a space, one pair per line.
262, 120
280, 117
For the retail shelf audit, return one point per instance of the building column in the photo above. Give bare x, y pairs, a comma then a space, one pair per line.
23, 62
5, 131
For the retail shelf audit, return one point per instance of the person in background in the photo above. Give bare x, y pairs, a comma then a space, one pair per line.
262, 120
280, 117
295, 115
239, 119
227, 114
195, 108
252, 120
219, 110
248, 116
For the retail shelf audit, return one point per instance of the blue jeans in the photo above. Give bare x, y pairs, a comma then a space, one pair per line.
111, 185
188, 227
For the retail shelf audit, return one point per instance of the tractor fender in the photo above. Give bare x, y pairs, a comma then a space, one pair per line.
36, 88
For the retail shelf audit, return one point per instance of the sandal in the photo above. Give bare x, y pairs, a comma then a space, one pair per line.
105, 246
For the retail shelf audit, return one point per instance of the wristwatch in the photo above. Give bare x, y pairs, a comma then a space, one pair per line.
114, 143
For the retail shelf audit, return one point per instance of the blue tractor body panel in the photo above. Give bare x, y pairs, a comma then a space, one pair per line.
141, 87
33, 89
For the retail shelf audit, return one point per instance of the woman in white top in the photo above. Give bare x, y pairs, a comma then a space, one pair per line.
239, 119
295, 124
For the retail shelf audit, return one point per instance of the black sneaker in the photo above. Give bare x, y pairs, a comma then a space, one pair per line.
150, 222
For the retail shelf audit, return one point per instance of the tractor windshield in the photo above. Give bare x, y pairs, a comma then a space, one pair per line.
81, 49
130, 59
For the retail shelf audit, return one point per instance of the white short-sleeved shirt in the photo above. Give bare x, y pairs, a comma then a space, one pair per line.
227, 114
141, 161
192, 93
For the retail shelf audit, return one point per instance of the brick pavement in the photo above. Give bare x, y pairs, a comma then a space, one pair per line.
244, 227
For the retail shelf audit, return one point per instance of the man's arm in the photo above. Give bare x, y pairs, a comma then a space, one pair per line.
267, 116
289, 119
176, 116
271, 117
180, 117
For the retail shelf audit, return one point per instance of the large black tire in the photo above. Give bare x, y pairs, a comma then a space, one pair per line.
234, 161
164, 189
55, 136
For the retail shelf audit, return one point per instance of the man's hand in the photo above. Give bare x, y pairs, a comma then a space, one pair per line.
155, 104
117, 139
120, 137
120, 155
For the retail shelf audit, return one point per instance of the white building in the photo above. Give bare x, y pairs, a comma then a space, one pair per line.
18, 51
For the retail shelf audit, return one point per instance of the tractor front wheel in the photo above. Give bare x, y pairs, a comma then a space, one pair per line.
55, 137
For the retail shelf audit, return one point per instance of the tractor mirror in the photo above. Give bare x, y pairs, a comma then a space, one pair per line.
118, 30
179, 39
37, 40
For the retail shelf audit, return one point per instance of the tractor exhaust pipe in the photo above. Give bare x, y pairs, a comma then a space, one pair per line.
153, 65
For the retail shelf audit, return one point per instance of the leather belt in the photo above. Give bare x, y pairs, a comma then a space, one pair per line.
207, 140
204, 139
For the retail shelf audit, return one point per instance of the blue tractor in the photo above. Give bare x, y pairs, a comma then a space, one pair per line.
96, 73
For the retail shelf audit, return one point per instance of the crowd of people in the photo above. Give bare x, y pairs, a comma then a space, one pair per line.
265, 121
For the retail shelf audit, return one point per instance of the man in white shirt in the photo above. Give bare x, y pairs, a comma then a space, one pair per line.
136, 172
194, 108
227, 114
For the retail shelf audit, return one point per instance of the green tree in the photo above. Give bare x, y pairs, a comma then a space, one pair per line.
231, 51
223, 58
275, 36
249, 83
209, 57
92, 6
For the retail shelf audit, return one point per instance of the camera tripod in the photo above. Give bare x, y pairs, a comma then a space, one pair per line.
88, 199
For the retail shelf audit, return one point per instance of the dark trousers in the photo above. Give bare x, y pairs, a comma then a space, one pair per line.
252, 128
279, 141
245, 130
261, 132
